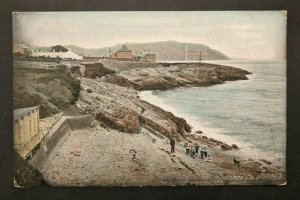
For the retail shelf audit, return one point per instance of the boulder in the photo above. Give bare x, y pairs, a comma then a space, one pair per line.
199, 132
89, 91
265, 161
226, 147
96, 70
122, 119
92, 125
120, 80
234, 146
144, 74
88, 110
76, 70
215, 141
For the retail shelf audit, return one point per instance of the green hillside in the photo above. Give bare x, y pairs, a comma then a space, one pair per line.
166, 51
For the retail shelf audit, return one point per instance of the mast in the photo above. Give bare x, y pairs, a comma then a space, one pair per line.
186, 51
200, 58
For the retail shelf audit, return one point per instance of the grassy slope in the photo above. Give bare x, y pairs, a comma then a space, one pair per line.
52, 90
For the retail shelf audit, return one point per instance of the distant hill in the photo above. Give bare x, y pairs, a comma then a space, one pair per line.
165, 51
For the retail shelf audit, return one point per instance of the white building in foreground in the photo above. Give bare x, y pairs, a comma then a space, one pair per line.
52, 54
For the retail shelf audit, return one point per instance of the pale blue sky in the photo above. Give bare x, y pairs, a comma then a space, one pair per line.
241, 34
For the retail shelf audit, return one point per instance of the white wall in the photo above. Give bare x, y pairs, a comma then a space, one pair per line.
68, 54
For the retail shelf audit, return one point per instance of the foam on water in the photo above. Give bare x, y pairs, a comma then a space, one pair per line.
257, 110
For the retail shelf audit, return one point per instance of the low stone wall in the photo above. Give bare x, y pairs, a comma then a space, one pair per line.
55, 136
125, 65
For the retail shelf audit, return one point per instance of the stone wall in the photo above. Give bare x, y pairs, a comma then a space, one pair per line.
57, 135
128, 65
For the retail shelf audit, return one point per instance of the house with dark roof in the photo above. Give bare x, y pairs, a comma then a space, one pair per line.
123, 54
145, 56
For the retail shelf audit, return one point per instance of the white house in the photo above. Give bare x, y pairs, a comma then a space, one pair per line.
70, 54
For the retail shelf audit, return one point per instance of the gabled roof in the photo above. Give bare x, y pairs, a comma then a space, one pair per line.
44, 48
125, 49
24, 46
143, 54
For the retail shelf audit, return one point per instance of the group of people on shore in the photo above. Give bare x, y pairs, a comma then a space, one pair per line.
193, 149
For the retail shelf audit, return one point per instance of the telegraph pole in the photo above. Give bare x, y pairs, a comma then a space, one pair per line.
186, 52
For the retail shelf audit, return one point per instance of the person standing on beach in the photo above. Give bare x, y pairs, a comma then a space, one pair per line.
201, 152
193, 152
197, 148
172, 142
205, 152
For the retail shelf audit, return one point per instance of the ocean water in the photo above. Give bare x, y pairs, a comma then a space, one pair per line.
250, 113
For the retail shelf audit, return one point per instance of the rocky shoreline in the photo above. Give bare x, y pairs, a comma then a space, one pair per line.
133, 133
111, 94
162, 76
113, 100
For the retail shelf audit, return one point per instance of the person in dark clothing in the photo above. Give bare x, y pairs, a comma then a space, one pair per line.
205, 152
193, 152
187, 151
201, 152
197, 148
172, 142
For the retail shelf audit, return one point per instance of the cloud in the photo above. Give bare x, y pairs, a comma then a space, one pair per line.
255, 33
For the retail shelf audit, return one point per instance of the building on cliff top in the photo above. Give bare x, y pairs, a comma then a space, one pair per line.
124, 54
145, 56
51, 53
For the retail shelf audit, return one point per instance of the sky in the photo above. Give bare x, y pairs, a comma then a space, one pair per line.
237, 34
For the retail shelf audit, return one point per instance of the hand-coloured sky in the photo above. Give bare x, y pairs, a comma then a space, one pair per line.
238, 34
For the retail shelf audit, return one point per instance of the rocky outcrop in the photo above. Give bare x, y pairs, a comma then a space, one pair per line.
175, 126
226, 147
162, 76
212, 142
265, 161
76, 71
119, 80
122, 119
96, 70
119, 108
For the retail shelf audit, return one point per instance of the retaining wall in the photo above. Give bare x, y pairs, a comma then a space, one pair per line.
57, 135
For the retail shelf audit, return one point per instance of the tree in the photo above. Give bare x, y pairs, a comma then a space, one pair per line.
59, 48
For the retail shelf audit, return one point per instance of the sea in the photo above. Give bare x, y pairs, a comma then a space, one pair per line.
249, 113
